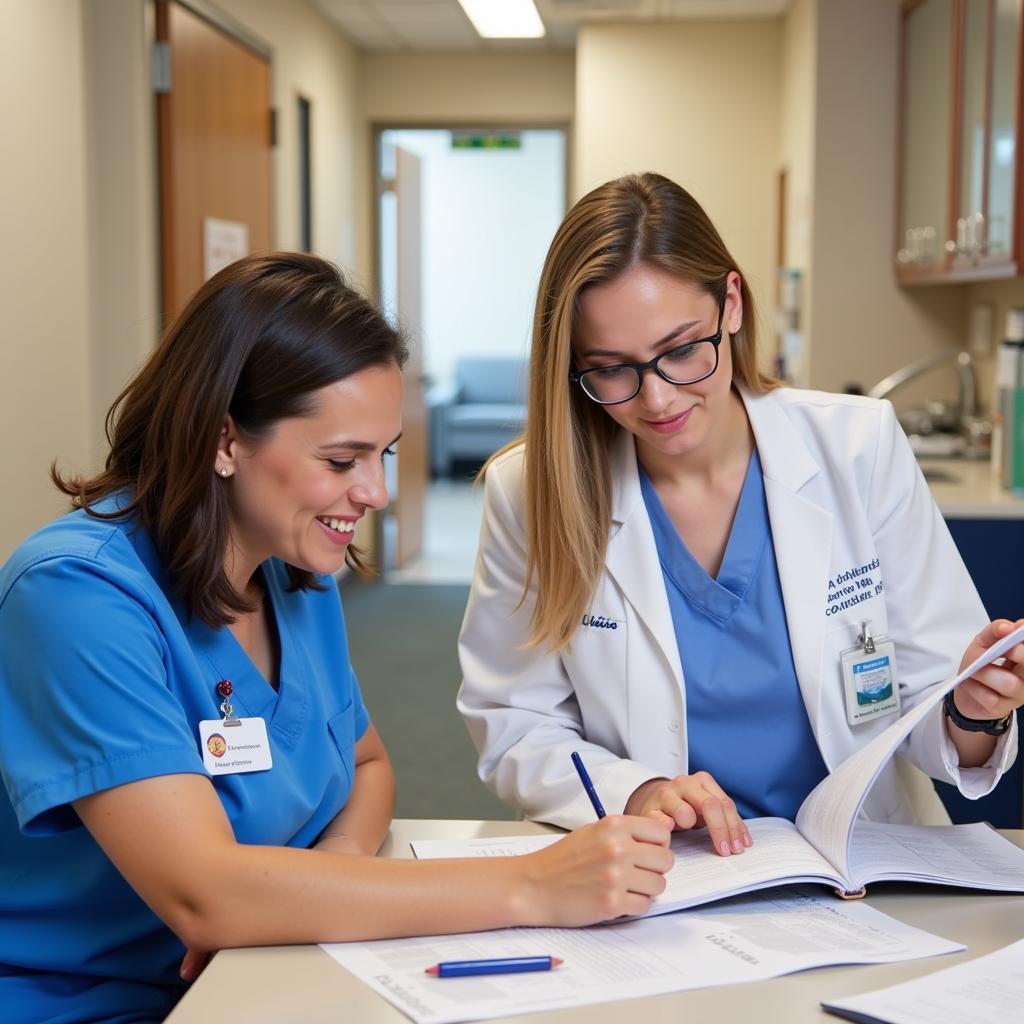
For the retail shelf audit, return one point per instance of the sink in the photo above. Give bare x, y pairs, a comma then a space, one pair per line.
937, 445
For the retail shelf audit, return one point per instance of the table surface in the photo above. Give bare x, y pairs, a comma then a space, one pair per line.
279, 984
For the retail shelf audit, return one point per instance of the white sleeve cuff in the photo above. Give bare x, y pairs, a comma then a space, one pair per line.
974, 783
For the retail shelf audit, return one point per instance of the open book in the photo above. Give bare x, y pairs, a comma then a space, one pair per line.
827, 844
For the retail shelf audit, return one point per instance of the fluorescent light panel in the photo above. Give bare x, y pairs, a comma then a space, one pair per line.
504, 19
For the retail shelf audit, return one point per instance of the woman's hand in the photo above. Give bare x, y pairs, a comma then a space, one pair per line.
609, 869
994, 691
192, 964
693, 801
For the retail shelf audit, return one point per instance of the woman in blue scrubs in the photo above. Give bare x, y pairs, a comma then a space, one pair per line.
714, 588
186, 758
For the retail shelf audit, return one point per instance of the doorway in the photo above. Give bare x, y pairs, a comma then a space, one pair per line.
489, 203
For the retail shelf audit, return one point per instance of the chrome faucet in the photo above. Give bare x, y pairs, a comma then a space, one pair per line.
967, 405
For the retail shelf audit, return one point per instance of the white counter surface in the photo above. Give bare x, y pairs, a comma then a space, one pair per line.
971, 492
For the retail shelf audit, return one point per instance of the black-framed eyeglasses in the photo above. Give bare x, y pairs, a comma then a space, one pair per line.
688, 363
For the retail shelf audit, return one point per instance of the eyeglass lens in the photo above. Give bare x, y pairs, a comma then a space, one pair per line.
681, 365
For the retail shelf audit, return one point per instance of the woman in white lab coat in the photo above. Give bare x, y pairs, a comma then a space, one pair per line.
674, 561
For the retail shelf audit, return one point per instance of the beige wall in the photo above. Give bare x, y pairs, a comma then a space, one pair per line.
78, 192
123, 267
796, 157
698, 102
797, 103
864, 326
408, 89
45, 405
311, 58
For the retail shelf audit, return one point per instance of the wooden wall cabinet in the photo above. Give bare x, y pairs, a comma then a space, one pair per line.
959, 170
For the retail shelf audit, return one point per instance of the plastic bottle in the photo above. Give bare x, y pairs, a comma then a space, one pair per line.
1006, 437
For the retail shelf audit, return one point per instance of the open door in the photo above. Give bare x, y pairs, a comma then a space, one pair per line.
214, 123
400, 278
412, 452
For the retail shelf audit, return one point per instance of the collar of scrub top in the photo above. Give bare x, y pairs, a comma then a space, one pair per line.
785, 457
718, 597
284, 709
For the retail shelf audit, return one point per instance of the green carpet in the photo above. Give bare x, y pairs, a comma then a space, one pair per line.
402, 639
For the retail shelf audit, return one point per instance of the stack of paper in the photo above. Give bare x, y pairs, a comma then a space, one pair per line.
982, 991
744, 939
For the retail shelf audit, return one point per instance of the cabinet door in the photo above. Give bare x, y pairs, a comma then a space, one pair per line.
1003, 131
926, 146
968, 237
984, 546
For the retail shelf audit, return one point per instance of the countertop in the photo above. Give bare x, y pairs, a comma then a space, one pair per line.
966, 489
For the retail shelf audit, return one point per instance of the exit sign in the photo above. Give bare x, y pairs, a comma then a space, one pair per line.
486, 140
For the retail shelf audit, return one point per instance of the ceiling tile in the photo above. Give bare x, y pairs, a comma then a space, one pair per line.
410, 24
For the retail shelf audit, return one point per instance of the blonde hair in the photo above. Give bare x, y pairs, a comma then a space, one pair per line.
638, 219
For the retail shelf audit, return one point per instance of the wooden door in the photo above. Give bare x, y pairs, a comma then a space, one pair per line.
214, 126
412, 452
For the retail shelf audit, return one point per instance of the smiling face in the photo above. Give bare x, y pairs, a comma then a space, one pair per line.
299, 493
642, 314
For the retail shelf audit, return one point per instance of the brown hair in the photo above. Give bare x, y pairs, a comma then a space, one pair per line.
639, 219
256, 341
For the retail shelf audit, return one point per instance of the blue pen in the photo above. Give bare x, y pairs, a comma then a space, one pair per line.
506, 965
587, 784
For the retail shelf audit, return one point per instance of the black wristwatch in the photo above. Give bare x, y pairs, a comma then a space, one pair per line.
993, 726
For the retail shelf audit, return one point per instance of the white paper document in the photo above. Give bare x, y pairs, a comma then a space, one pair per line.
744, 939
981, 991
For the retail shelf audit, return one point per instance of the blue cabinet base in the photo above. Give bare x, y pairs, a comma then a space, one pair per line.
993, 551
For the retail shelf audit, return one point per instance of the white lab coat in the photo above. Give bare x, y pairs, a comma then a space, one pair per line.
843, 489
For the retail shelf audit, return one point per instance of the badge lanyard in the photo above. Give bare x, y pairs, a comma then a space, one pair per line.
870, 683
233, 745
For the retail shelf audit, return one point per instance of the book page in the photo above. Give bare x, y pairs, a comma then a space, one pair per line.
974, 855
827, 816
779, 854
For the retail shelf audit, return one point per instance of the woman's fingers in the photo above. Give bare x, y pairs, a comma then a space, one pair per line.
647, 830
718, 812
689, 801
723, 825
635, 905
601, 871
992, 693
680, 813
192, 964
994, 631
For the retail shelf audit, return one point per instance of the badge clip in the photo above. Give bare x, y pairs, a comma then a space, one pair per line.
227, 710
866, 639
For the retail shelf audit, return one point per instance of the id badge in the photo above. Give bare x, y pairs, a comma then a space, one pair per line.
235, 745
870, 682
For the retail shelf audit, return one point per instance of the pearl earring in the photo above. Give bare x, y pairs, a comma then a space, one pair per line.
223, 471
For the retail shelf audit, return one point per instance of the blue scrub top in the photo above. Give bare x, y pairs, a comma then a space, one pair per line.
103, 681
745, 718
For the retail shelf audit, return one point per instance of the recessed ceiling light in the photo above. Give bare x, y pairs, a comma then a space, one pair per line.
504, 19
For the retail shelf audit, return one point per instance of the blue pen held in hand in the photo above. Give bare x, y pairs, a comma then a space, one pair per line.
587, 784
506, 965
